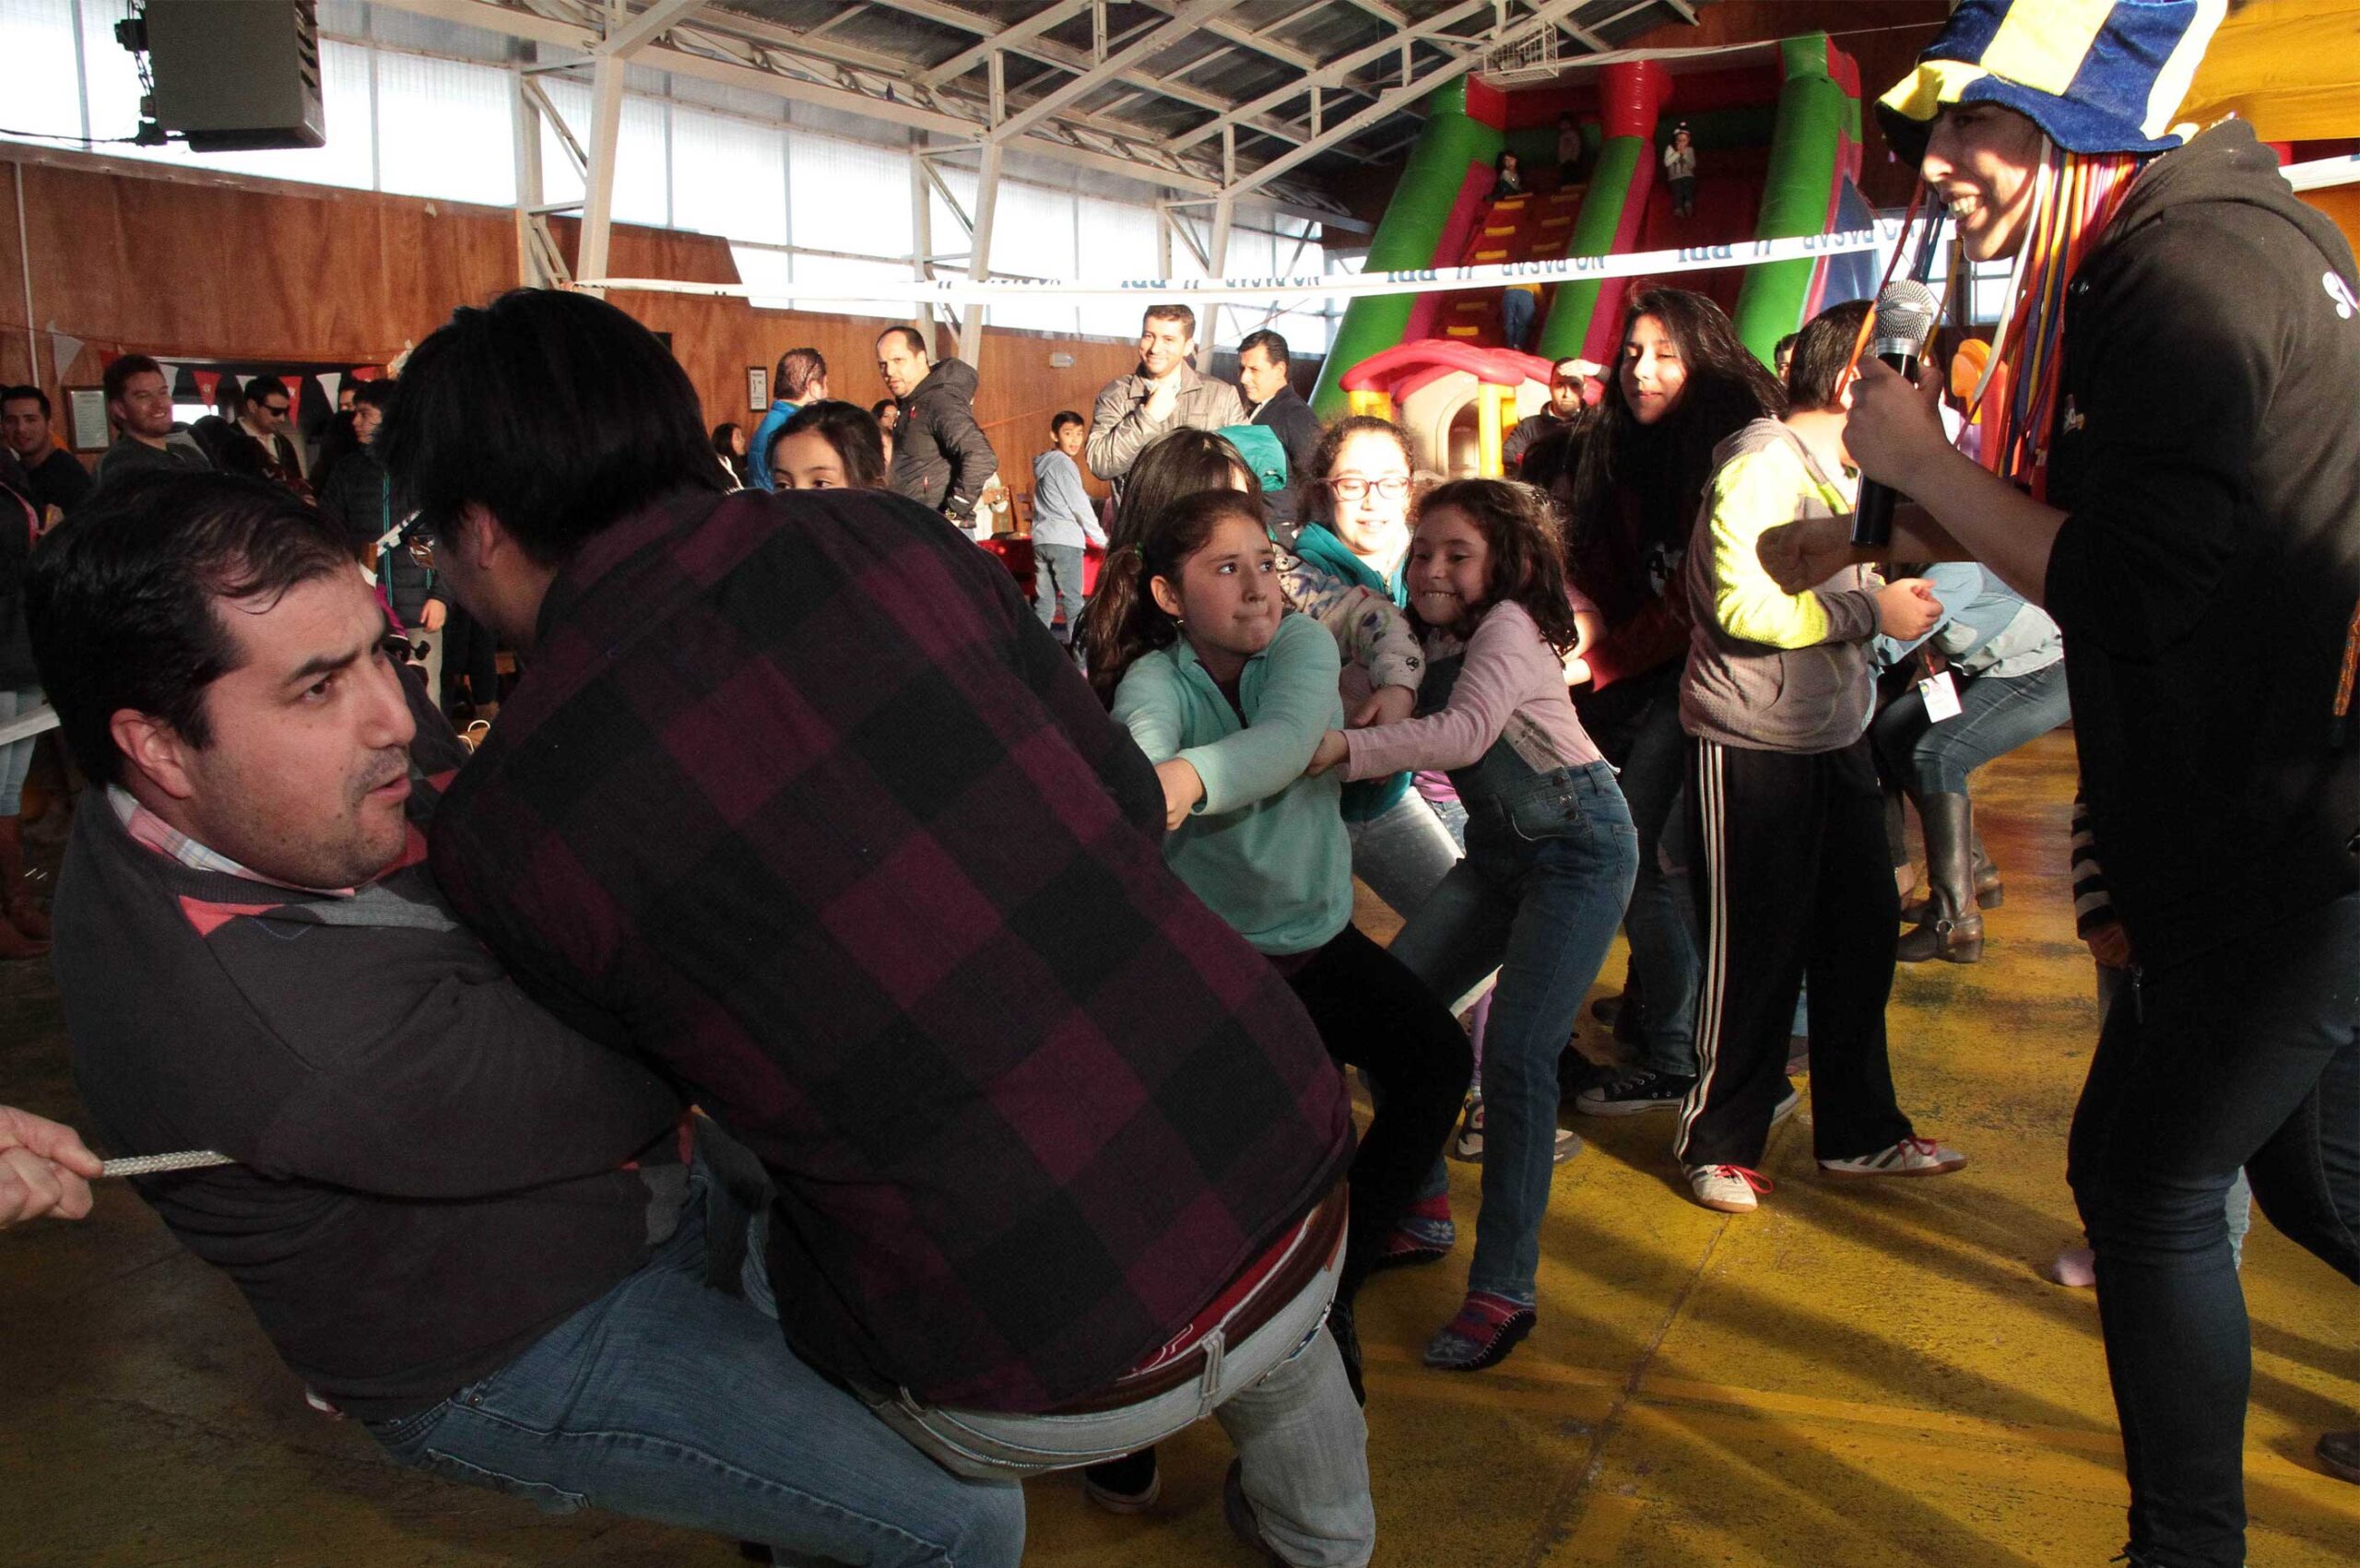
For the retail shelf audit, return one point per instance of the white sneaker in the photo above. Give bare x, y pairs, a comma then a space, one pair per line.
1910, 1157
1729, 1188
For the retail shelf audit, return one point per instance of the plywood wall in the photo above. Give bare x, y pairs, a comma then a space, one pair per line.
200, 268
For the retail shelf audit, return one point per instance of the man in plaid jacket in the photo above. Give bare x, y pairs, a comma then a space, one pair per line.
799, 800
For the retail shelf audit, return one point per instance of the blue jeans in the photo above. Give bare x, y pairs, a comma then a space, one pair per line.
1402, 854
16, 756
1997, 714
668, 1399
2246, 1055
1547, 874
1057, 584
1662, 918
1517, 308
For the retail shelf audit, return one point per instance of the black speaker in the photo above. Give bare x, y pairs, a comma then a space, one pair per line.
232, 75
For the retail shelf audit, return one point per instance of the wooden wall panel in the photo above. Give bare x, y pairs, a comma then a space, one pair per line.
127, 258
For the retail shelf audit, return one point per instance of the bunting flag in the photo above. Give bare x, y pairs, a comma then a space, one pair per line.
330, 381
171, 377
294, 385
366, 373
207, 384
64, 349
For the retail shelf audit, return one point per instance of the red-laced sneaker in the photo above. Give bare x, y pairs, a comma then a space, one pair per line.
1729, 1188
1910, 1157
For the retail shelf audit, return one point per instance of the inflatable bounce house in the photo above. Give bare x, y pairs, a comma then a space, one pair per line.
1775, 129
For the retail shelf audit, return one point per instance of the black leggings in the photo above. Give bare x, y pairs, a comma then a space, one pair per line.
1372, 1013
470, 662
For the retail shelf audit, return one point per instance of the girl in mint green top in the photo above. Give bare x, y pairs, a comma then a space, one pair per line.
1229, 693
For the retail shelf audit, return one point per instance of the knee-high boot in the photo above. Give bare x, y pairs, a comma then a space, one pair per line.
1952, 929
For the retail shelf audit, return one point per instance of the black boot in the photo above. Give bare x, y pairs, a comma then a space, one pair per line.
1953, 929
1988, 892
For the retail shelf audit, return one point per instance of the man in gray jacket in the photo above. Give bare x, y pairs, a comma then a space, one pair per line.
1164, 394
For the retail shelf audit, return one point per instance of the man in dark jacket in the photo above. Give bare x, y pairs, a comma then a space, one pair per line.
1263, 368
480, 1235
2194, 528
57, 477
1568, 379
907, 930
941, 458
139, 402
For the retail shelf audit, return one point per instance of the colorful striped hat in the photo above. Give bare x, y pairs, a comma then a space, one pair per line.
2098, 76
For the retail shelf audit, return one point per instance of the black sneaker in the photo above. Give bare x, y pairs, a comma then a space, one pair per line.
1127, 1485
1633, 1093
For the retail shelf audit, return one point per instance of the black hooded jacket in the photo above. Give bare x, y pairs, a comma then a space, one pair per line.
941, 458
2207, 446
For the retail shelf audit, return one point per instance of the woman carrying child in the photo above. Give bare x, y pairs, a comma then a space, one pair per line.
1550, 855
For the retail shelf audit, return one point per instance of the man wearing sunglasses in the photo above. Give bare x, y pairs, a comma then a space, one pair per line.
270, 414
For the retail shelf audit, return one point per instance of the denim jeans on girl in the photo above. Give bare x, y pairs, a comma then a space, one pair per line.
1549, 868
1997, 714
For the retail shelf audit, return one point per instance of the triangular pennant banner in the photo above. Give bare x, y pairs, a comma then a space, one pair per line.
171, 376
330, 381
64, 349
294, 385
366, 373
208, 382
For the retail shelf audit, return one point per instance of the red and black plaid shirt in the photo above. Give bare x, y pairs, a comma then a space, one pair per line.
800, 800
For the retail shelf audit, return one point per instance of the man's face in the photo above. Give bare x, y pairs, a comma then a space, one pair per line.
366, 417
1261, 376
24, 426
1070, 437
309, 763
1164, 346
146, 407
1981, 158
346, 400
1564, 392
267, 411
901, 366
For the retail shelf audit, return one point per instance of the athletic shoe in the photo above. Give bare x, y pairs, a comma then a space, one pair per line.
1633, 1093
1785, 1107
1468, 1147
1127, 1485
1487, 1328
1729, 1188
1910, 1157
2075, 1268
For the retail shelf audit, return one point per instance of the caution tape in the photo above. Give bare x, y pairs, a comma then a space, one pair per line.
24, 726
1332, 285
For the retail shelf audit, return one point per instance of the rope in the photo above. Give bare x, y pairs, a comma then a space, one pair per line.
157, 1165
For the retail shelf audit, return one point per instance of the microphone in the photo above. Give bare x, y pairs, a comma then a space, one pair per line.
1906, 312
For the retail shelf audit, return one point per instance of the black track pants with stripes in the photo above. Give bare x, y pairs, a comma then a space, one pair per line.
1792, 878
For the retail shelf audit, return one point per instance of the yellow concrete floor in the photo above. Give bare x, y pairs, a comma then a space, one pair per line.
1861, 1375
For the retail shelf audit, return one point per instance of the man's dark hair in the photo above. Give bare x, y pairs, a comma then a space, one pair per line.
1558, 371
15, 394
1273, 347
1823, 350
555, 412
1167, 309
377, 395
260, 387
121, 602
1063, 417
798, 368
908, 335
851, 430
118, 374
1785, 345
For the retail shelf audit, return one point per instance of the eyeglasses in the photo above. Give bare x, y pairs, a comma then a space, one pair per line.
274, 409
1353, 487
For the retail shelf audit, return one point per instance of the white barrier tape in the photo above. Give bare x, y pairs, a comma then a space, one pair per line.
161, 1164
1333, 285
24, 726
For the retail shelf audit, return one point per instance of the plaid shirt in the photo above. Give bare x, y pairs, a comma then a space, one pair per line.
800, 800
